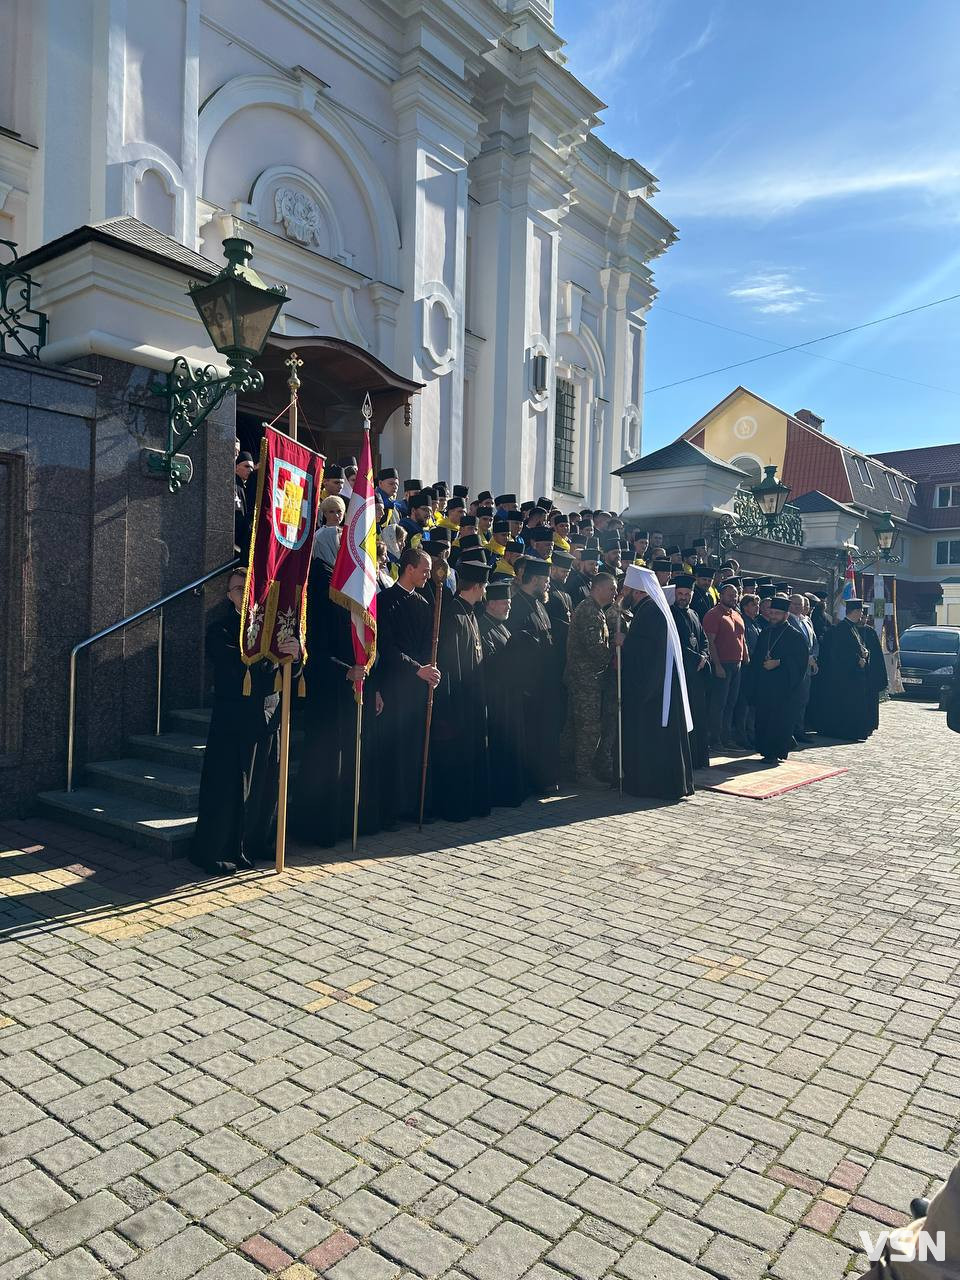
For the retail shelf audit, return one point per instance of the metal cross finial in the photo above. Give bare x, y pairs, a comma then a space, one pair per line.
367, 409
293, 363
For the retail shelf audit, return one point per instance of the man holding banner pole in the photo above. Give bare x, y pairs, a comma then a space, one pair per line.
354, 586
275, 592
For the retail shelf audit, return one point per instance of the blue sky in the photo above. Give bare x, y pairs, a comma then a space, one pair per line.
809, 155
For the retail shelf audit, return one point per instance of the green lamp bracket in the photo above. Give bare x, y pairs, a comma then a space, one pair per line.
191, 395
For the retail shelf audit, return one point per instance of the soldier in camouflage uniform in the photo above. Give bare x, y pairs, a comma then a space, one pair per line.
589, 649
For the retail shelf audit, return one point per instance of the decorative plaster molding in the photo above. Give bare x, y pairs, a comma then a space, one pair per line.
300, 216
539, 346
437, 297
302, 99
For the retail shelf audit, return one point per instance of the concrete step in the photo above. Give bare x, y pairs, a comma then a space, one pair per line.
135, 821
148, 780
188, 720
182, 750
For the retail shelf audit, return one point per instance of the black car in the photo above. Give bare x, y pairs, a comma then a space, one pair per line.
930, 659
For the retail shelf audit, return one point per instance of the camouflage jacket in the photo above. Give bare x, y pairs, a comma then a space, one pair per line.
588, 644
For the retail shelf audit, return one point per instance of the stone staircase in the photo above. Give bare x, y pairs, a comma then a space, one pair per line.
149, 796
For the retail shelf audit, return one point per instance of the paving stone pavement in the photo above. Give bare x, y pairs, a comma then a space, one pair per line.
578, 1040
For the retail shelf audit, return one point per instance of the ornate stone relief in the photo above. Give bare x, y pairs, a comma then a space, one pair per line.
300, 216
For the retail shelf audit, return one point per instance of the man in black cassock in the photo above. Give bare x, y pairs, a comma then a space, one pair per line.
696, 660
404, 638
237, 816
559, 608
506, 731
782, 661
876, 675
322, 801
529, 625
460, 778
842, 707
656, 756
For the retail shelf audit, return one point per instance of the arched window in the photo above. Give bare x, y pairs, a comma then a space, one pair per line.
745, 462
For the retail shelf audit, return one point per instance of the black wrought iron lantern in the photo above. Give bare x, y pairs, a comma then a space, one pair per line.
886, 533
237, 309
770, 495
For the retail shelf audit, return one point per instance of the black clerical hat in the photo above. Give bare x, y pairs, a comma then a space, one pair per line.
853, 603
333, 472
485, 496
515, 514
486, 512
244, 457
461, 490
674, 550
537, 507
559, 517
348, 462
748, 583
540, 534
501, 526
455, 504
515, 547
472, 571
440, 488
439, 539
781, 603
421, 499
535, 568
731, 582
527, 506
468, 522
699, 542
388, 473
469, 541
578, 540
545, 503
783, 588
590, 553
661, 566
412, 484
683, 580
506, 500
702, 570
766, 591
562, 559
610, 541
499, 590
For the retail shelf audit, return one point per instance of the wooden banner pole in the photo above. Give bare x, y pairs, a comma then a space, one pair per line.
619, 705
439, 574
293, 363
356, 769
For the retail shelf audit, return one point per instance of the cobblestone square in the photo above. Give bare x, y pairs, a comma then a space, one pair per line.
577, 1040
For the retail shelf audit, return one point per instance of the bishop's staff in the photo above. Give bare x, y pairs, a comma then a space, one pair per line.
354, 586
439, 578
618, 641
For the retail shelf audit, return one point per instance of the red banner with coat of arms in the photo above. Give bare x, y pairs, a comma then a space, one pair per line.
275, 598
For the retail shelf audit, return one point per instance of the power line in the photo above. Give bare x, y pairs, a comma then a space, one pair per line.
799, 346
816, 355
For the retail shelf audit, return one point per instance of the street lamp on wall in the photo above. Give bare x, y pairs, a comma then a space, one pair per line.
771, 495
238, 312
886, 533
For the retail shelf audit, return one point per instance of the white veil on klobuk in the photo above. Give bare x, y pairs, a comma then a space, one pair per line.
645, 580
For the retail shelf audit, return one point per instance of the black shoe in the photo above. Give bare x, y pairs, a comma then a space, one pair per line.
803, 737
214, 868
919, 1207
245, 863
771, 759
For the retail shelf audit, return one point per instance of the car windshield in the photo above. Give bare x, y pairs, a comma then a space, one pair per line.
930, 642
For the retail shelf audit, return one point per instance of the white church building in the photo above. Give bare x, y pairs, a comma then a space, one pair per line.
423, 175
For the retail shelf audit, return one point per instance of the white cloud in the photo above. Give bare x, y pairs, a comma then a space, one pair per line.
617, 33
765, 192
772, 293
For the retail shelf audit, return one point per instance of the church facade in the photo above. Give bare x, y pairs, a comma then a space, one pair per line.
426, 179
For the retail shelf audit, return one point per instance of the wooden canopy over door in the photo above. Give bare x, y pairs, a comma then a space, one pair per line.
334, 378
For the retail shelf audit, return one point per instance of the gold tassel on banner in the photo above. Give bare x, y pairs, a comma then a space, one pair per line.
301, 687
247, 684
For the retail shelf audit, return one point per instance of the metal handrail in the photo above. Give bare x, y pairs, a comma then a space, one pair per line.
156, 607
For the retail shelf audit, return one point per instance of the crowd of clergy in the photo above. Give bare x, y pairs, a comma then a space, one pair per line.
547, 649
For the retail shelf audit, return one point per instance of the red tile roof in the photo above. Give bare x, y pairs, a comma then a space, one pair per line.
812, 461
